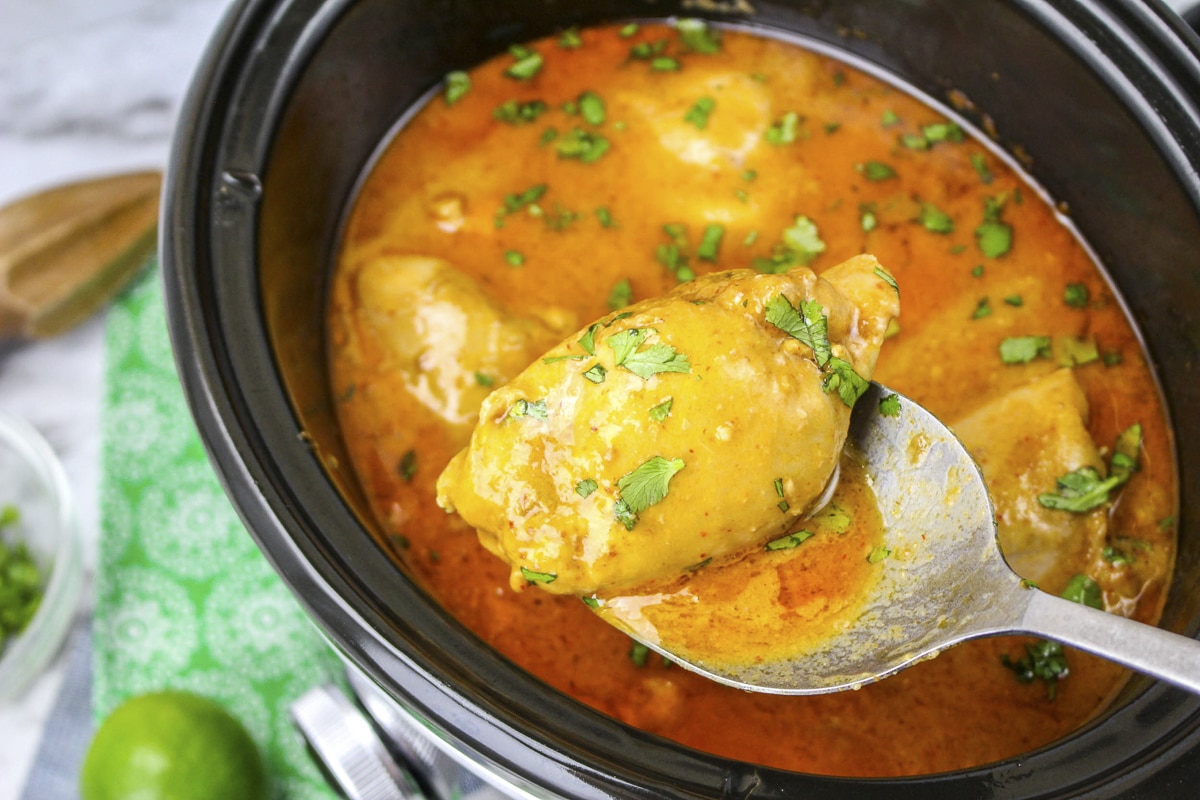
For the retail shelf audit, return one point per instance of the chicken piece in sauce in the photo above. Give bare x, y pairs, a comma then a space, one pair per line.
683, 429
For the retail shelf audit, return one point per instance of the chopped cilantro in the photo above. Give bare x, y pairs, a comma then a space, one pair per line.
887, 278
645, 486
807, 323
1043, 659
1076, 295
538, 577
1124, 460
877, 554
629, 29
1112, 358
710, 242
982, 309
570, 39
876, 170
548, 136
1072, 351
1080, 491
527, 63
407, 466
977, 271
514, 258
934, 219
783, 504
665, 64
981, 168
1024, 349
591, 108
587, 341
845, 381
889, 118
484, 380
458, 83
568, 357
791, 541
596, 373
638, 654
993, 236
528, 408
1115, 556
1015, 300
914, 141
644, 363
783, 131
801, 245
605, 217
890, 406
514, 112
698, 37
585, 487
942, 132
1085, 591
698, 114
660, 412
582, 145
514, 202
620, 295
644, 51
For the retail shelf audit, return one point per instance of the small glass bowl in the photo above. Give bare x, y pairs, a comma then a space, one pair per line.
32, 480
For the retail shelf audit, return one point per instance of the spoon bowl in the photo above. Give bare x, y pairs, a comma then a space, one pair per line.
945, 580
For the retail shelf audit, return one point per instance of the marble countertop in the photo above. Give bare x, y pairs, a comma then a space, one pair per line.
86, 88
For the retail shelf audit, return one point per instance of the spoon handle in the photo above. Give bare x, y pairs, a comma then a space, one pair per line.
1153, 651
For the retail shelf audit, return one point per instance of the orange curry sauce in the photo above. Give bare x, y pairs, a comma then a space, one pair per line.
789, 133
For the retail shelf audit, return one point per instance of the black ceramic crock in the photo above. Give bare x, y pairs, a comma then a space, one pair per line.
1100, 98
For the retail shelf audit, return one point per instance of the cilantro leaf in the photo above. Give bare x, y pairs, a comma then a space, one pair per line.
585, 487
408, 466
623, 343
698, 37
994, 236
878, 554
890, 406
647, 484
528, 408
1085, 591
1043, 659
808, 324
783, 131
663, 410
514, 112
887, 278
697, 115
845, 381
803, 240
791, 541
588, 340
582, 145
596, 373
655, 359
538, 577
458, 83
876, 170
1080, 491
1076, 295
935, 220
527, 63
1023, 349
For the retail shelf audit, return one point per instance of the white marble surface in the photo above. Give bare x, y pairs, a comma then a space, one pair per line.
87, 87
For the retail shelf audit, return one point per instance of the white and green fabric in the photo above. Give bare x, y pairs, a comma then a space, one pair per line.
184, 598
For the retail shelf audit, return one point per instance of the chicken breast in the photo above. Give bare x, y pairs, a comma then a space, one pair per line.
679, 430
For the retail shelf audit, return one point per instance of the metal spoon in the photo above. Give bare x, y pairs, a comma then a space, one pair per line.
955, 586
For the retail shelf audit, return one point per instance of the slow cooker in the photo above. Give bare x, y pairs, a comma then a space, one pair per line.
1099, 99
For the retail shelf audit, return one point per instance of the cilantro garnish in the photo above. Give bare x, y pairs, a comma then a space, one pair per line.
482, 379
654, 359
887, 278
808, 324
942, 132
596, 374
890, 406
528, 408
628, 29
585, 487
514, 258
878, 554
407, 466
1083, 490
660, 412
515, 201
674, 255
1023, 349
783, 504
538, 577
710, 242
1015, 300
638, 653
644, 51
842, 379
698, 37
1085, 591
698, 114
643, 487
582, 145
1076, 295
981, 168
889, 118
1116, 556
514, 112
527, 63
665, 64
458, 83
605, 216
935, 220
790, 541
588, 340
982, 309
621, 294
876, 170
801, 245
783, 131
591, 108
993, 236
1043, 659
570, 39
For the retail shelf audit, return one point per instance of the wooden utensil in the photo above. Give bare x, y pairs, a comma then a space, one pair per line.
66, 251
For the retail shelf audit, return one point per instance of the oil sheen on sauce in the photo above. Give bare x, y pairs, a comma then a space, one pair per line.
508, 185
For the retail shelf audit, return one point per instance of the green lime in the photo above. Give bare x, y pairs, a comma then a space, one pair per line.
172, 746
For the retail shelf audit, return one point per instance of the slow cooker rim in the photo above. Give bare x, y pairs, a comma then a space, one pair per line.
227, 427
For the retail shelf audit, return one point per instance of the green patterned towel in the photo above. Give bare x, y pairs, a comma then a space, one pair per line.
184, 598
